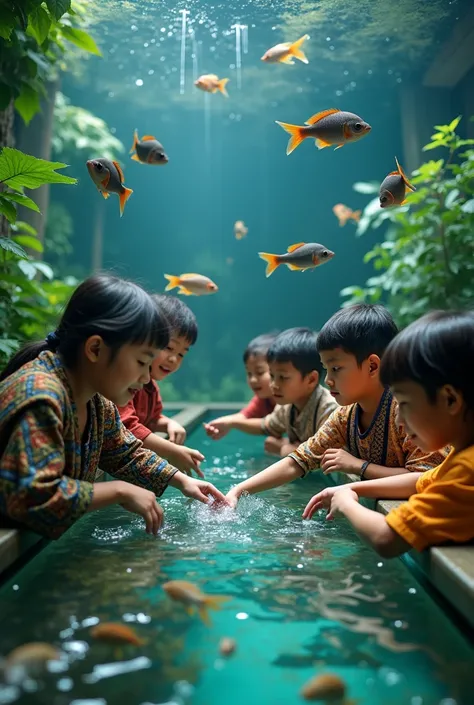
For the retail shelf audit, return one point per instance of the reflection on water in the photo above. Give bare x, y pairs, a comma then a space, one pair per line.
306, 597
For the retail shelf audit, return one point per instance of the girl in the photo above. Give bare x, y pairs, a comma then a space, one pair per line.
429, 367
57, 425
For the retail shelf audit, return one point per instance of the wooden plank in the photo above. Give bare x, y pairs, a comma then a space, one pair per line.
456, 57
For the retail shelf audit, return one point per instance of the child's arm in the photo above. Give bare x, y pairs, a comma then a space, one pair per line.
279, 473
184, 458
176, 432
220, 427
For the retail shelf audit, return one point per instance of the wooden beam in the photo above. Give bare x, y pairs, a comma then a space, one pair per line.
456, 56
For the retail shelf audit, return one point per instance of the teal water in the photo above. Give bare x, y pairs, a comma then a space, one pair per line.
307, 598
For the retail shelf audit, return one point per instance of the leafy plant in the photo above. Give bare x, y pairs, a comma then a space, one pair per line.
425, 260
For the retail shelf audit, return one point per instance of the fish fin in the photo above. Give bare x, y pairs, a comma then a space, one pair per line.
296, 51
272, 262
105, 194
202, 612
105, 180
174, 281
185, 292
135, 158
292, 248
221, 86
297, 135
404, 177
189, 610
120, 172
135, 140
321, 144
147, 138
339, 146
404, 202
319, 116
188, 275
215, 602
213, 76
286, 60
293, 267
356, 215
124, 196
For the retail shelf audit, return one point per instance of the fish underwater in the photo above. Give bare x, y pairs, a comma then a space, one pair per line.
240, 229
191, 284
326, 688
108, 177
116, 633
394, 187
327, 128
28, 660
193, 598
148, 150
210, 83
286, 52
227, 646
344, 213
301, 256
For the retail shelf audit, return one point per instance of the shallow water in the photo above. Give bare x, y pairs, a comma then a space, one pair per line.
307, 598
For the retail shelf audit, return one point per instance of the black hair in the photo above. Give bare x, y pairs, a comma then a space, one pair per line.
435, 350
360, 330
181, 319
298, 346
259, 345
119, 311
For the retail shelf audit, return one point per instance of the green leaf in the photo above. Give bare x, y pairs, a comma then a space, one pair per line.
7, 209
454, 123
39, 22
27, 103
368, 188
29, 241
8, 346
39, 59
433, 145
468, 207
22, 200
58, 7
81, 39
8, 21
451, 198
19, 170
21, 226
44, 269
10, 246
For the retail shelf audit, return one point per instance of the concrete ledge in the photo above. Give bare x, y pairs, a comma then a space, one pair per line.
14, 544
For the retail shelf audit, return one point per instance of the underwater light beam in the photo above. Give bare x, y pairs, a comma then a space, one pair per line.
245, 38
183, 51
238, 52
195, 59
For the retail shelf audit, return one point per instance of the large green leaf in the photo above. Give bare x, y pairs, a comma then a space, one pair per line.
7, 209
29, 241
8, 21
27, 103
22, 200
19, 170
10, 246
39, 23
81, 39
58, 7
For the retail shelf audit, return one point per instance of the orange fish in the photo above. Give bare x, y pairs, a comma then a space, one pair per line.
328, 127
240, 229
148, 150
286, 52
327, 688
191, 284
116, 633
210, 83
108, 177
344, 213
29, 659
193, 598
394, 187
301, 256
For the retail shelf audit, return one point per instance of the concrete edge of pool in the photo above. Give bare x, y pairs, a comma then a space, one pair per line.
450, 570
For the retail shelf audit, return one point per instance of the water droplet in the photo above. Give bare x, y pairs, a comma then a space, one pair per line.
138, 82
16, 587
146, 44
331, 48
379, 564
132, 51
346, 73
339, 93
143, 618
129, 570
163, 29
328, 39
134, 27
412, 591
241, 615
399, 80
90, 621
387, 39
398, 623
390, 72
232, 66
300, 565
170, 34
65, 684
151, 72
370, 72
353, 84
212, 49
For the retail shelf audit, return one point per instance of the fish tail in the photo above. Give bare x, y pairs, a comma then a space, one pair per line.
135, 140
123, 197
222, 86
215, 602
356, 216
295, 49
272, 262
203, 613
173, 281
297, 135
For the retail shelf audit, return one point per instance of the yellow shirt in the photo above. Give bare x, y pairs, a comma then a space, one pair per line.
443, 507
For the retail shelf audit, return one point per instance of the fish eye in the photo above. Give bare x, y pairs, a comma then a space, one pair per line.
98, 166
383, 199
324, 253
358, 127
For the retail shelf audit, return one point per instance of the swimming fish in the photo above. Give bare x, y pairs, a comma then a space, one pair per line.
301, 256
29, 659
328, 127
327, 688
108, 177
210, 83
148, 150
191, 283
240, 229
116, 633
193, 598
393, 188
286, 52
227, 646
344, 213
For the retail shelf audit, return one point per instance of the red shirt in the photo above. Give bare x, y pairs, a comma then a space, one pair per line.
141, 414
258, 408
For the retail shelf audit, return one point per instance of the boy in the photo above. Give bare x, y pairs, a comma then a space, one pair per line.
429, 368
143, 414
303, 405
258, 378
363, 436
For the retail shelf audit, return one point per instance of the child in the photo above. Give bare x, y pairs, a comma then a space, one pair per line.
362, 436
258, 378
429, 368
57, 425
143, 416
303, 404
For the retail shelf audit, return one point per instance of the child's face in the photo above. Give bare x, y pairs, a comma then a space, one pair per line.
258, 376
347, 381
289, 386
170, 358
129, 370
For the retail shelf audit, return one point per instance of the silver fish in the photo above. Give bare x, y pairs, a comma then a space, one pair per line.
394, 187
301, 256
329, 127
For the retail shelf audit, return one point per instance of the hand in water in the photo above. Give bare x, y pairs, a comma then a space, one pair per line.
322, 500
143, 502
232, 497
204, 492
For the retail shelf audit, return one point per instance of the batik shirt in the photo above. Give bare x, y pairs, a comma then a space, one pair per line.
300, 425
46, 470
383, 443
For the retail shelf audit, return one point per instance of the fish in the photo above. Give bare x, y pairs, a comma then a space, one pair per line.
240, 229
227, 646
148, 150
210, 83
327, 688
286, 52
191, 284
29, 659
301, 256
116, 633
108, 177
327, 128
394, 187
193, 598
344, 213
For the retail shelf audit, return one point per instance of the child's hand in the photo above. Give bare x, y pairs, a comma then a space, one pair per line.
143, 502
232, 497
176, 433
197, 489
187, 459
340, 500
322, 500
273, 445
339, 460
218, 428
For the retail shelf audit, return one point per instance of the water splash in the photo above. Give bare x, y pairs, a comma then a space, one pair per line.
182, 76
